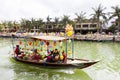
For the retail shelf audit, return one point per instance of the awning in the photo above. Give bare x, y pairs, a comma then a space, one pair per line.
51, 38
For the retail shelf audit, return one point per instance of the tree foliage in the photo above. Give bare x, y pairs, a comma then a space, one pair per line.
80, 17
115, 13
98, 15
112, 28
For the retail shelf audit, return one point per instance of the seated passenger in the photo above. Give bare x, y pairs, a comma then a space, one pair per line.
55, 53
49, 57
22, 55
35, 55
64, 56
56, 56
32, 55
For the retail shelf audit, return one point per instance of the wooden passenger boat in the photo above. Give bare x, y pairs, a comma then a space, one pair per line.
71, 63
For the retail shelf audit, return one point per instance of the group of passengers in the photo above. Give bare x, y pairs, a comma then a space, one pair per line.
53, 56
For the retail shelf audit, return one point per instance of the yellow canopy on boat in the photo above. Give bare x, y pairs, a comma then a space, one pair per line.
51, 38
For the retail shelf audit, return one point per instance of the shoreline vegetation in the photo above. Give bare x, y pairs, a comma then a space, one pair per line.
57, 24
95, 30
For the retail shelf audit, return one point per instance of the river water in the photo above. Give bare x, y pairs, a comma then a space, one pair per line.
107, 69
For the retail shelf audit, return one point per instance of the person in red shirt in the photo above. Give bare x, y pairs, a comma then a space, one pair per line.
64, 56
36, 56
17, 50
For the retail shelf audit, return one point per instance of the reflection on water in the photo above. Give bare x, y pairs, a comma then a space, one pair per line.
33, 73
30, 72
107, 69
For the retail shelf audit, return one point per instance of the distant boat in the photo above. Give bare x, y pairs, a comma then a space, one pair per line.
8, 35
5, 35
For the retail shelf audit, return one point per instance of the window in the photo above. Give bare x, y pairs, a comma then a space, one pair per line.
93, 25
78, 26
49, 27
85, 26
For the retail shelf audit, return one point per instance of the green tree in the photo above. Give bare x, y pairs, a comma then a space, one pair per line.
48, 23
23, 23
9, 24
4, 23
33, 23
16, 25
65, 20
1, 26
48, 19
98, 15
40, 23
112, 28
115, 13
56, 21
26, 24
80, 17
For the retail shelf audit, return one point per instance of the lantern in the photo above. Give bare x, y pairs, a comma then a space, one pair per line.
61, 57
69, 33
20, 42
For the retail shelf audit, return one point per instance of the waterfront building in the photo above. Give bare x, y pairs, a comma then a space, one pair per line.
86, 27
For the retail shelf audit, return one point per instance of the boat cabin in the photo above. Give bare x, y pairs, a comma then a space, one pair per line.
49, 48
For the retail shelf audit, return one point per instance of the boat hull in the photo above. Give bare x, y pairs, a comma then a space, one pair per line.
80, 65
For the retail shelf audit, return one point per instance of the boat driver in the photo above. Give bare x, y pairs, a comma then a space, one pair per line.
17, 50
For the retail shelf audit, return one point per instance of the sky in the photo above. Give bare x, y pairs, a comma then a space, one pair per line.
17, 9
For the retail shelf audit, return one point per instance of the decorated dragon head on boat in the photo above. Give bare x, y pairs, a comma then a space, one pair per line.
69, 30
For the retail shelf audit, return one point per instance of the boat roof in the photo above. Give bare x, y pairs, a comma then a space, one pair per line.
51, 38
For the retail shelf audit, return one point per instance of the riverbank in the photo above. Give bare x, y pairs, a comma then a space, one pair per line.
80, 37
98, 37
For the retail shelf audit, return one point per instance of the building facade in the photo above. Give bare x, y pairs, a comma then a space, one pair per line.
83, 28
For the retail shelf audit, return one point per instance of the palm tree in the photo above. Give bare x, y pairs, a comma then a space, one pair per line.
40, 23
17, 26
97, 15
1, 26
48, 22
26, 24
56, 21
65, 20
48, 19
115, 13
80, 17
23, 23
5, 24
33, 22
9, 23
